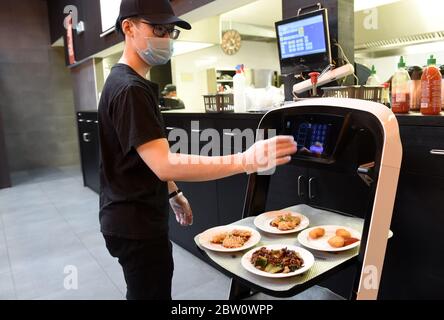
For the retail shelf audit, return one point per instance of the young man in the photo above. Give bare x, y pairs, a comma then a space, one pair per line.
137, 169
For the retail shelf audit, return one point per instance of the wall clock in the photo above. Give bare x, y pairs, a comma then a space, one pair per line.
231, 42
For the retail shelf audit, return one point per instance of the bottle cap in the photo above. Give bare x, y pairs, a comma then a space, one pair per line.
431, 61
401, 63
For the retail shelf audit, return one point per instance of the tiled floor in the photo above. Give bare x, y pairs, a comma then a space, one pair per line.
49, 222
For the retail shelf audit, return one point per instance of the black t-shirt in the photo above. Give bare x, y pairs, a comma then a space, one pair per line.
133, 201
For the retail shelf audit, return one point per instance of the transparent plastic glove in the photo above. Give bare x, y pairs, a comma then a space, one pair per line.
265, 155
182, 210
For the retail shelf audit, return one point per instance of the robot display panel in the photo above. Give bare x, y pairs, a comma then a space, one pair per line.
317, 135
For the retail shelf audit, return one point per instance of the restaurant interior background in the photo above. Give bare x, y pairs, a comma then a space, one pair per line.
42, 94
35, 79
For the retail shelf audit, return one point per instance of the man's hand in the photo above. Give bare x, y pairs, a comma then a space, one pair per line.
267, 154
182, 209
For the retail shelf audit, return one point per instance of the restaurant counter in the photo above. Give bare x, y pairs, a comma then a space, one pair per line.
417, 215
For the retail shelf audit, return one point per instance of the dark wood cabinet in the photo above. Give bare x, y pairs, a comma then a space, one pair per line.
288, 187
89, 148
230, 198
203, 200
351, 194
413, 264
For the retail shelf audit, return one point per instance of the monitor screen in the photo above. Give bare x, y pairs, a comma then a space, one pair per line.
303, 37
304, 42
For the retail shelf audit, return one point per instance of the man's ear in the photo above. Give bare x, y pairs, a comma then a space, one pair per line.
127, 28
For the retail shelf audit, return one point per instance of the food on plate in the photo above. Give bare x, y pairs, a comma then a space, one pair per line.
219, 238
286, 221
342, 241
277, 261
350, 241
343, 233
317, 233
336, 242
233, 239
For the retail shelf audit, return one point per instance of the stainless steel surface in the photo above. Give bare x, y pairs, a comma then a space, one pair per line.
399, 25
310, 190
436, 152
300, 193
87, 137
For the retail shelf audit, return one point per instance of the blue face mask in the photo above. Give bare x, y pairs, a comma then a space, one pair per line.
158, 51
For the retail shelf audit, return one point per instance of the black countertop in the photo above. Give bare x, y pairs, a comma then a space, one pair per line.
412, 119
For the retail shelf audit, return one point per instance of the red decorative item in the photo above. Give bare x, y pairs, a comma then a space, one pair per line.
69, 39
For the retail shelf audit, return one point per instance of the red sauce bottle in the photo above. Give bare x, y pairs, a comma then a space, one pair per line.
400, 89
431, 84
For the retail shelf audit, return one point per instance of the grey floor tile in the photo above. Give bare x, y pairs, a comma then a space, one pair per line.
45, 175
189, 271
47, 276
84, 207
48, 174
49, 220
72, 171
29, 215
17, 191
21, 198
115, 273
81, 217
20, 177
2, 235
32, 223
100, 289
70, 196
62, 185
44, 248
7, 291
4, 257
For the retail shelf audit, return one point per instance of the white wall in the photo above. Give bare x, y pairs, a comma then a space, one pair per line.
190, 70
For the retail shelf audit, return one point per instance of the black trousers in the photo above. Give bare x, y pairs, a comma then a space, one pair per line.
147, 266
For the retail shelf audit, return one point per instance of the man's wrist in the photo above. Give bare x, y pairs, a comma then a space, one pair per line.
239, 161
175, 193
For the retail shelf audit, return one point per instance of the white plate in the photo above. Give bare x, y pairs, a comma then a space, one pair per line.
263, 222
321, 244
206, 237
305, 255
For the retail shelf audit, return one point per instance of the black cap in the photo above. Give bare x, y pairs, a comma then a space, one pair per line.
153, 11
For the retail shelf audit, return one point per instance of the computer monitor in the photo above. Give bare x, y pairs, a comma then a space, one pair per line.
304, 42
